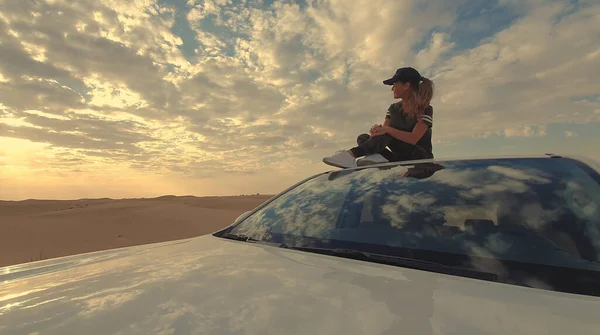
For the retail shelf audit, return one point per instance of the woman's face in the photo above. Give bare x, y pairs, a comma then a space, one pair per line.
400, 89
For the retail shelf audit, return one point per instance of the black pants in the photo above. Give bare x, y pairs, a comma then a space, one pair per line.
400, 151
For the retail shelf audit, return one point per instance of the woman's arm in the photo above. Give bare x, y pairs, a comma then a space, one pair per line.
411, 137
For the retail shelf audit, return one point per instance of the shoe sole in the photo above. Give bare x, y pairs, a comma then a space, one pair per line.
336, 165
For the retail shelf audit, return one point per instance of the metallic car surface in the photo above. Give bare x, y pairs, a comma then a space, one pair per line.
208, 285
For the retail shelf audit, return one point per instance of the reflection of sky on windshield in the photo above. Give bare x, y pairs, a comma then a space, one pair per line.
489, 180
518, 199
527, 174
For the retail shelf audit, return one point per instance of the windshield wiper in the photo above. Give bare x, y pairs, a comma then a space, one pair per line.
246, 238
240, 237
400, 261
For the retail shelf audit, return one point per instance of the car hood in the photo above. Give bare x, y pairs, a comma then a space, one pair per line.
209, 285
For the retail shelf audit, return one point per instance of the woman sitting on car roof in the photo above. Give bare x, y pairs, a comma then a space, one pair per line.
406, 130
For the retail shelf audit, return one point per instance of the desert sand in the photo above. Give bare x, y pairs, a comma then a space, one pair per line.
42, 229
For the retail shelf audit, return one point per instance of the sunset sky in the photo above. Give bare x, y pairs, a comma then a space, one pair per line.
109, 98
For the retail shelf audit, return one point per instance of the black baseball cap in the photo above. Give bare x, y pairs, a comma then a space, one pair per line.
404, 75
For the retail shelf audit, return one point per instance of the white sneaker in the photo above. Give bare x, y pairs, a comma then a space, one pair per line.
341, 159
371, 159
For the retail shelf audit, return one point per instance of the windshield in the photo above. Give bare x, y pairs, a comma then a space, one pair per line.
534, 222
595, 163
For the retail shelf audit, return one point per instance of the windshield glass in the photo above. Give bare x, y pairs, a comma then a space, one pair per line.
530, 221
595, 162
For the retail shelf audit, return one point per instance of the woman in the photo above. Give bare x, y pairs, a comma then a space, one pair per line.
406, 130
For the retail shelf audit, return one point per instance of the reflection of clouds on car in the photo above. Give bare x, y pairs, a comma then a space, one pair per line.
584, 205
414, 316
480, 181
526, 174
479, 214
399, 203
311, 202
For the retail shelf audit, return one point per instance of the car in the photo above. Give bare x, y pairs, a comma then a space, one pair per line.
488, 245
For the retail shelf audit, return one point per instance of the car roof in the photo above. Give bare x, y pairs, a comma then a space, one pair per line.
581, 158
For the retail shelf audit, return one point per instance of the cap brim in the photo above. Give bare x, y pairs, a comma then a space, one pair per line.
389, 81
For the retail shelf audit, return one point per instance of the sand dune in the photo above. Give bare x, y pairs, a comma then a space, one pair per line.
43, 229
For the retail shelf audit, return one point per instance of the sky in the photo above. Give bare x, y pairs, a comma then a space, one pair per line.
144, 98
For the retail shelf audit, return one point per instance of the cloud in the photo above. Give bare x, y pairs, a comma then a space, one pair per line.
289, 82
39, 93
63, 139
519, 75
438, 46
525, 131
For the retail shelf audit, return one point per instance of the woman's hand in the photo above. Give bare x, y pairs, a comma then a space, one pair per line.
380, 130
374, 129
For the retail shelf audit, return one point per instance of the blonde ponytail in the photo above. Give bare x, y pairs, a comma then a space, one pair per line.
422, 96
